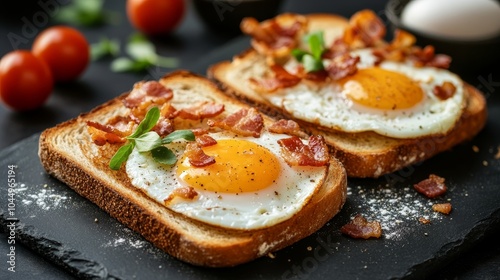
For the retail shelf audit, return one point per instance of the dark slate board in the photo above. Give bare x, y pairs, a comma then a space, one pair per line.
75, 234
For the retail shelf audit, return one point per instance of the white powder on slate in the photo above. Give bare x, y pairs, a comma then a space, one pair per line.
397, 209
40, 196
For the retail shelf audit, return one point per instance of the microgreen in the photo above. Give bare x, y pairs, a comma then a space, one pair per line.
142, 55
86, 13
145, 140
312, 59
105, 47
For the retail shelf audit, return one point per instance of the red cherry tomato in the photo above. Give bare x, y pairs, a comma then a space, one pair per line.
25, 81
155, 17
65, 50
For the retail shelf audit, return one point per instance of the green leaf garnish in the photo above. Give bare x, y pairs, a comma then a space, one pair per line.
142, 55
178, 134
164, 155
86, 13
121, 156
146, 140
105, 47
311, 60
149, 121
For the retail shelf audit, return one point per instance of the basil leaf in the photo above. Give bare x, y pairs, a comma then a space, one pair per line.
167, 62
298, 54
103, 48
124, 64
164, 155
311, 64
147, 141
82, 12
121, 156
186, 134
149, 121
140, 48
316, 44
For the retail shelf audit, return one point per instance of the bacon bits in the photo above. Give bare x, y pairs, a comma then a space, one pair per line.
148, 91
444, 208
365, 30
432, 187
342, 66
197, 156
359, 227
183, 192
281, 79
444, 91
202, 110
205, 140
246, 122
285, 127
296, 153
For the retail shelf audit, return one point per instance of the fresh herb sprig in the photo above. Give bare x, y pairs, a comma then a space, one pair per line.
145, 140
142, 55
312, 59
86, 13
105, 47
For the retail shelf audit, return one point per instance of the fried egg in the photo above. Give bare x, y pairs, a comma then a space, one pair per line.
393, 99
249, 187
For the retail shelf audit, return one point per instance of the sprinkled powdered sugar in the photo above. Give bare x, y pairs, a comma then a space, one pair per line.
43, 197
397, 209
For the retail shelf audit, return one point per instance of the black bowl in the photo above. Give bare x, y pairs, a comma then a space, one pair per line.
226, 15
467, 56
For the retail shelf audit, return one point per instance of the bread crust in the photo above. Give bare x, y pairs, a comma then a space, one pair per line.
67, 153
365, 154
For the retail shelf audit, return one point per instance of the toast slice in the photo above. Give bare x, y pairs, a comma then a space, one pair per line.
68, 153
365, 154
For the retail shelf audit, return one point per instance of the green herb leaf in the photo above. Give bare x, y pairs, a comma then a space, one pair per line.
186, 134
140, 48
311, 64
147, 141
164, 155
316, 44
82, 12
149, 121
298, 54
121, 156
125, 64
105, 47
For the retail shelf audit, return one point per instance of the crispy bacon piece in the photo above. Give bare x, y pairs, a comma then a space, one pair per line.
148, 91
315, 76
200, 111
277, 36
444, 208
163, 127
199, 131
359, 227
246, 122
285, 127
102, 134
342, 66
197, 156
402, 40
205, 140
296, 153
281, 79
338, 47
444, 91
427, 57
365, 30
182, 192
168, 111
432, 187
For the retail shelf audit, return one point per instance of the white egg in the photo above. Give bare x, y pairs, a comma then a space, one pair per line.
455, 19
329, 106
285, 196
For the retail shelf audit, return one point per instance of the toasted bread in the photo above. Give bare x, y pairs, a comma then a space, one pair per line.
68, 153
365, 154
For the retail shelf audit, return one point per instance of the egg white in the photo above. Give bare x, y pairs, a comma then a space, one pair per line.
328, 105
247, 210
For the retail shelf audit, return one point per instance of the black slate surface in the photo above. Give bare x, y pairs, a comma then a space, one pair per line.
74, 233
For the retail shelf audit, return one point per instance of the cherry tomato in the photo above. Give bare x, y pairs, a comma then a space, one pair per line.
25, 81
65, 50
155, 17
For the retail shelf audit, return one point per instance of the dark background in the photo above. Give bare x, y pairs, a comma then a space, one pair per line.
190, 43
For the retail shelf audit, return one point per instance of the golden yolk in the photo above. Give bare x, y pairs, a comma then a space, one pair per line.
382, 89
240, 166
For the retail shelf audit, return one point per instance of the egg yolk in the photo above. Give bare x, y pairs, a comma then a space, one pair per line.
382, 89
240, 166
